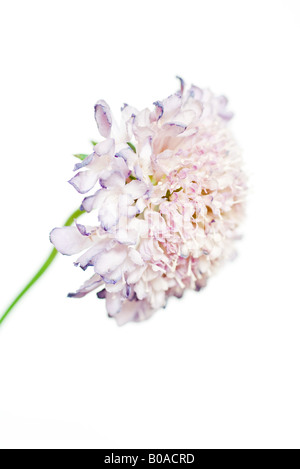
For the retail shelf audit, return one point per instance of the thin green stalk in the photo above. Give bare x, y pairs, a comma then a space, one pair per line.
42, 270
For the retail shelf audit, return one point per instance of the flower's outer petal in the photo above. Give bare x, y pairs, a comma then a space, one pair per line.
84, 230
186, 117
84, 163
128, 237
101, 294
88, 202
171, 129
94, 282
182, 85
97, 200
159, 110
136, 189
108, 218
135, 256
128, 112
114, 287
103, 118
189, 132
128, 312
222, 111
129, 156
109, 213
68, 240
142, 125
140, 206
128, 115
140, 290
138, 172
196, 93
167, 161
135, 275
143, 118
131, 211
107, 147
108, 261
171, 106
113, 303
117, 175
84, 181
145, 156
113, 278
134, 311
88, 258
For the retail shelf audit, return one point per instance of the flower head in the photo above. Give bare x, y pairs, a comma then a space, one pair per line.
165, 195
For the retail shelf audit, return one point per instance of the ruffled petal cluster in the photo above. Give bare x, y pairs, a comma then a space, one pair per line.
164, 191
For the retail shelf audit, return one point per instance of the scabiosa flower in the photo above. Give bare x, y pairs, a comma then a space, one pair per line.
164, 192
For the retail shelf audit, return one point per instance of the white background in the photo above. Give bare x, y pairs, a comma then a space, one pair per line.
219, 369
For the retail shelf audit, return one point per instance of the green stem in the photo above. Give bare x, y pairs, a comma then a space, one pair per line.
43, 269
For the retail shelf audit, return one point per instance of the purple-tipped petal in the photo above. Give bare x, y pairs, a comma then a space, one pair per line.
69, 241
159, 109
84, 163
90, 285
174, 128
82, 230
108, 219
171, 106
88, 203
88, 258
182, 84
84, 181
103, 118
101, 294
108, 261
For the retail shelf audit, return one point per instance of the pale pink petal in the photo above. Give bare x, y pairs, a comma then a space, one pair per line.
103, 118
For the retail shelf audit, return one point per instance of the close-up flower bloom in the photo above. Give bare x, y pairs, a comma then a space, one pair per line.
164, 195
